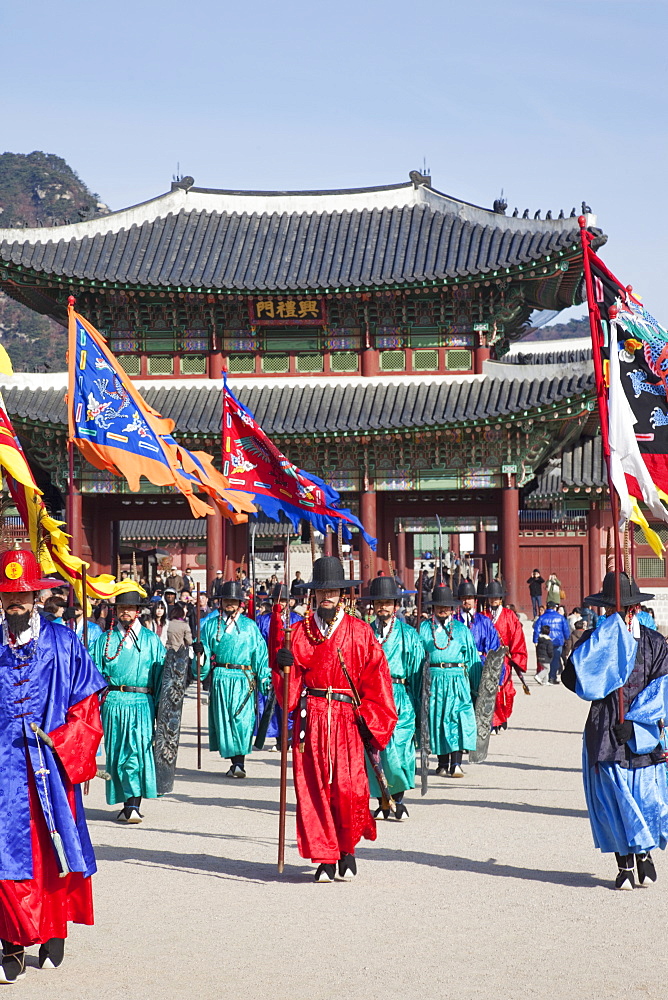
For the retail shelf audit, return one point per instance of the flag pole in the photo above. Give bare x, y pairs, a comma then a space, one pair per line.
597, 344
198, 667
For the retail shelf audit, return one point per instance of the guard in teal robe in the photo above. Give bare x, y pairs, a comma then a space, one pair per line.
453, 658
405, 654
131, 658
236, 654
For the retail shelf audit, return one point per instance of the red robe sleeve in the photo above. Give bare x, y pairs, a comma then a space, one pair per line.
296, 674
517, 643
375, 690
77, 740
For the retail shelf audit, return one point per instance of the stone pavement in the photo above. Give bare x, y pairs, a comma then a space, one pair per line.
491, 889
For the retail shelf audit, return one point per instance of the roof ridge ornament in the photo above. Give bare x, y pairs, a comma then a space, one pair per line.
183, 184
419, 179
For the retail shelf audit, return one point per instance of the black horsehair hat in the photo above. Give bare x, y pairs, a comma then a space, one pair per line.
386, 588
233, 591
131, 598
495, 589
629, 594
442, 597
328, 574
466, 589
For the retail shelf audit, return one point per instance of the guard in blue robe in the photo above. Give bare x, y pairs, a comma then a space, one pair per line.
623, 764
263, 622
483, 633
47, 679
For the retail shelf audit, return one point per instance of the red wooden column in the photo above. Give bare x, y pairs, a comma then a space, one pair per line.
510, 540
214, 546
594, 539
401, 554
480, 355
368, 519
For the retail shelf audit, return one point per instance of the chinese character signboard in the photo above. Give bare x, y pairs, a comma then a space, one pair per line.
292, 311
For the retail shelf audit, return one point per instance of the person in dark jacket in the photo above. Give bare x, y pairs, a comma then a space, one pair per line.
579, 629
621, 667
559, 633
535, 582
544, 654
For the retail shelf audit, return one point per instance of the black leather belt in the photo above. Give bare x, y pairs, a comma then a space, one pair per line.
398, 680
130, 689
446, 666
333, 695
230, 666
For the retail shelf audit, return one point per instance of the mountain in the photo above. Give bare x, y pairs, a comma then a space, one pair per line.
38, 189
560, 331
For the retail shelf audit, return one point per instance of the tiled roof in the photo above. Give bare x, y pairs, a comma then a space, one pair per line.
289, 410
285, 242
580, 467
181, 529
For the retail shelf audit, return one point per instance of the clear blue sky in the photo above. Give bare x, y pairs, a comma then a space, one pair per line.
555, 101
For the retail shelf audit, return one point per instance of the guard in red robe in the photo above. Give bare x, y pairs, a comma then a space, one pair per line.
47, 679
328, 755
511, 633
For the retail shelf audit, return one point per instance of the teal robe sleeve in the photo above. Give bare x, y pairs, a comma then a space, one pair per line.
413, 662
207, 632
471, 657
260, 662
157, 653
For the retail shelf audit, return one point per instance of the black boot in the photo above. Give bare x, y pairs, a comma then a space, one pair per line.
130, 811
379, 810
626, 874
238, 769
347, 867
443, 764
401, 810
325, 873
13, 962
455, 769
51, 953
646, 869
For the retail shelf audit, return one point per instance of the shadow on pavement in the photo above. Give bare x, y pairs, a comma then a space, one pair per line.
509, 806
452, 863
528, 767
204, 864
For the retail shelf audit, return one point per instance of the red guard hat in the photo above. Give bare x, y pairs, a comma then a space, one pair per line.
20, 572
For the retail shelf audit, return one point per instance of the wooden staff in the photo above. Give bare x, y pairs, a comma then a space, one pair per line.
199, 682
84, 604
312, 540
283, 801
419, 601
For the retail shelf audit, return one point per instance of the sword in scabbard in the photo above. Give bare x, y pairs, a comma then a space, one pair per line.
373, 755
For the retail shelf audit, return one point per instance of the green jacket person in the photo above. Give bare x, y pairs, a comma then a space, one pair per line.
405, 653
452, 657
236, 653
131, 658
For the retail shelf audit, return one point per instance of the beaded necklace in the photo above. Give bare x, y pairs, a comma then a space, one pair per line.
110, 659
315, 635
382, 639
232, 618
447, 628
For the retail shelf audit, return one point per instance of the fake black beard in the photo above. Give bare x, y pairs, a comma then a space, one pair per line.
384, 615
18, 623
441, 619
326, 614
